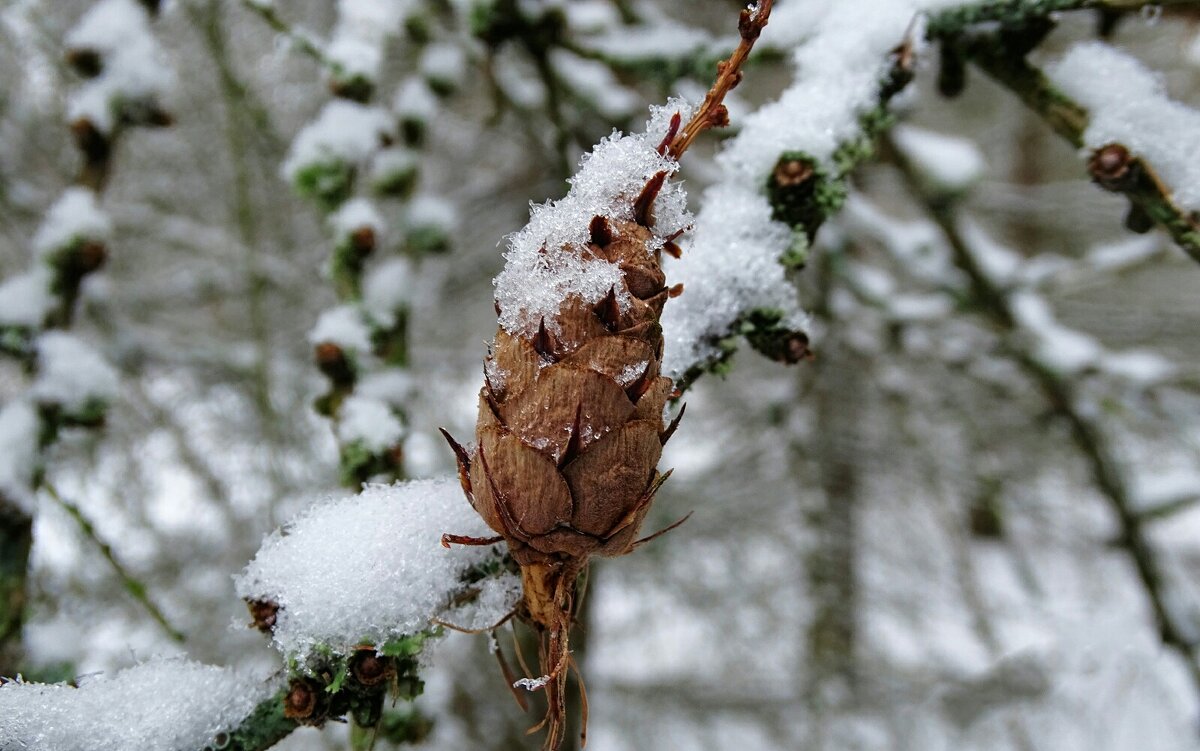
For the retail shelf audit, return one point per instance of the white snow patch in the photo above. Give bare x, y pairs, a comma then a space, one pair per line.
731, 264
1063, 349
164, 705
1128, 104
75, 216
356, 214
135, 69
26, 299
949, 162
343, 326
20, 427
369, 421
72, 374
415, 101
368, 566
342, 132
432, 212
393, 386
387, 288
444, 63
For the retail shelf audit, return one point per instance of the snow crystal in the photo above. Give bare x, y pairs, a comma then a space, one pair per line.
531, 684
1128, 104
157, 706
26, 299
342, 132
386, 289
492, 596
343, 326
356, 214
414, 101
367, 567
135, 68
533, 284
370, 422
74, 216
20, 428
72, 374
950, 163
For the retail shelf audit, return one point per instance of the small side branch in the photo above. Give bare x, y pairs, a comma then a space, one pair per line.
712, 113
302, 42
134, 586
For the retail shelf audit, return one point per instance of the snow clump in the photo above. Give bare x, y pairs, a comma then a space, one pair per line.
1128, 104
369, 567
157, 706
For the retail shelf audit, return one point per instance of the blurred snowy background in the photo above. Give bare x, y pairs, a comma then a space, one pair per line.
897, 545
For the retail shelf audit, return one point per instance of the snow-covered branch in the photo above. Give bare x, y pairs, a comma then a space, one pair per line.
1137, 141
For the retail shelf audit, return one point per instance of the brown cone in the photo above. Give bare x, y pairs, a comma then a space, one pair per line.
569, 436
570, 425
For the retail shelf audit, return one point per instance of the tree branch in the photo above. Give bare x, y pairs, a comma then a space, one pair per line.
1002, 56
1087, 430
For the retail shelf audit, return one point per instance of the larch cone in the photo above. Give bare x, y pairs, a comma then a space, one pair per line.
570, 426
569, 436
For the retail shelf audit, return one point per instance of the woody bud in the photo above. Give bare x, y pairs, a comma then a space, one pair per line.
1112, 167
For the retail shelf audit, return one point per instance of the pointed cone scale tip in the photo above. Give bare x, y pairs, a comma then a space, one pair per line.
544, 342
643, 207
464, 462
670, 431
608, 310
672, 131
600, 231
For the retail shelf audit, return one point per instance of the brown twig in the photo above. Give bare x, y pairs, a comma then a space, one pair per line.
712, 113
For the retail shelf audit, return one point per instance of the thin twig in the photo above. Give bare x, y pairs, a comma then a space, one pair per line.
133, 585
302, 41
712, 112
